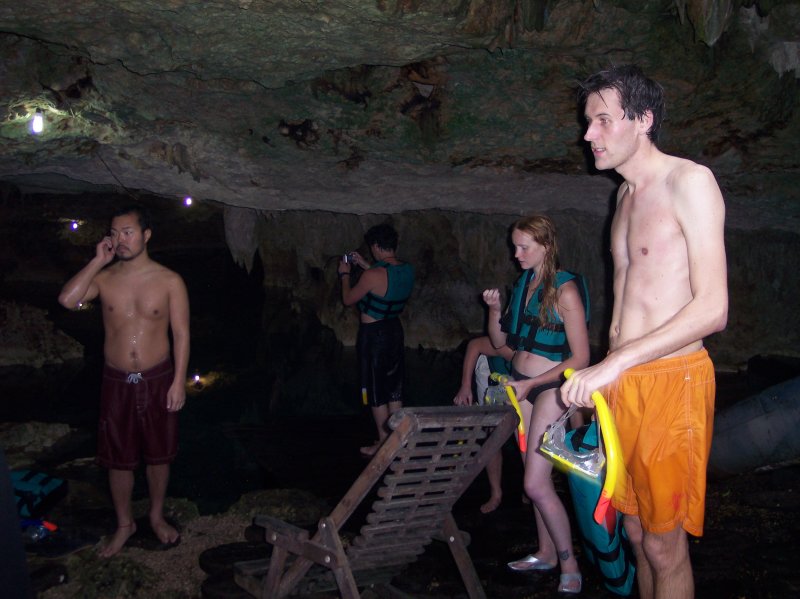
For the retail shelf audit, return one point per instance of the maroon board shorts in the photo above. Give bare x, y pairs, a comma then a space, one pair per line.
134, 421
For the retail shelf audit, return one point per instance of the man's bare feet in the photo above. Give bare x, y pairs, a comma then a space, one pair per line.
118, 540
491, 505
164, 532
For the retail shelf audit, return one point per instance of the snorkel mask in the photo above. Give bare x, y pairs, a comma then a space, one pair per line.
555, 447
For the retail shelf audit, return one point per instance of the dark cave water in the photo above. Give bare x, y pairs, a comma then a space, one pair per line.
229, 443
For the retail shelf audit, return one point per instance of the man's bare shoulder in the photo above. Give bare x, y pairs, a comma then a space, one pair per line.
168, 276
163, 270
693, 187
683, 172
151, 271
107, 274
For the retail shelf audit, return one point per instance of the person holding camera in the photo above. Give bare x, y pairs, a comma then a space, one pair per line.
380, 295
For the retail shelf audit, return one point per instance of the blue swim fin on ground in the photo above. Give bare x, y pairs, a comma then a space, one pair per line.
606, 544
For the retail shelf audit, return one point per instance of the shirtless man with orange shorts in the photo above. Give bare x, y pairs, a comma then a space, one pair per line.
670, 291
143, 382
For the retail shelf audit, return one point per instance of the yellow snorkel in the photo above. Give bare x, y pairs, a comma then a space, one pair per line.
615, 466
512, 396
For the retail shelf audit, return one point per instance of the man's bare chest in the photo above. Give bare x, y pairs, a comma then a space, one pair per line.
134, 302
651, 233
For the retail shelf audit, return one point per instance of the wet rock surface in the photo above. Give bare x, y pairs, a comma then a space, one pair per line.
444, 104
28, 338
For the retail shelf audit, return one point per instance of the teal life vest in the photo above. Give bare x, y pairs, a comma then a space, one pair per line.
525, 332
400, 282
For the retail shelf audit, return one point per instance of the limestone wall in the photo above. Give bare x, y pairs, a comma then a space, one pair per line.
28, 338
458, 254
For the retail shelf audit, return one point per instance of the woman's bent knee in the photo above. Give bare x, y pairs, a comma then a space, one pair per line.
540, 492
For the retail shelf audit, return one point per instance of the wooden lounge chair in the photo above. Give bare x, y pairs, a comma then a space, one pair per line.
424, 466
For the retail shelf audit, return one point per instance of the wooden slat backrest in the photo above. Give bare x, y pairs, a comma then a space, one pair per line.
427, 475
420, 471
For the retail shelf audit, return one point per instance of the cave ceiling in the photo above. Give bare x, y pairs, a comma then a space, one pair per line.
388, 105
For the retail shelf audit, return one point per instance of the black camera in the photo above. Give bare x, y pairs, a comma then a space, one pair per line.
349, 258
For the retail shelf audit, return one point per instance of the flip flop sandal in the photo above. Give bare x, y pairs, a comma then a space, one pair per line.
530, 562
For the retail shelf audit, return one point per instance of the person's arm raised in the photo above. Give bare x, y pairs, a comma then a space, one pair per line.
370, 281
82, 287
496, 334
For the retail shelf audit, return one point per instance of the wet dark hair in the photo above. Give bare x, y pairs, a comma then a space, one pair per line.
384, 235
637, 94
142, 215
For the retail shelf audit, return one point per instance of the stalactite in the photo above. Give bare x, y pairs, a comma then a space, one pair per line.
240, 234
710, 18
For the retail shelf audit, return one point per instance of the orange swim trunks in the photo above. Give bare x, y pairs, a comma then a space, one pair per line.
664, 412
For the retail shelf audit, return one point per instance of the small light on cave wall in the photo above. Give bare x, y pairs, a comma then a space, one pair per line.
72, 224
37, 122
187, 201
196, 382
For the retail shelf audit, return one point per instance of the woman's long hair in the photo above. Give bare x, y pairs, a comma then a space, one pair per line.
543, 231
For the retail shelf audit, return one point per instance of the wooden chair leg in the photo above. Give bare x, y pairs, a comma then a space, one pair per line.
464, 562
343, 573
346, 582
272, 580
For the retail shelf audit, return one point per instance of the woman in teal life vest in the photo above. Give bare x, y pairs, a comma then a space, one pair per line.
380, 295
546, 324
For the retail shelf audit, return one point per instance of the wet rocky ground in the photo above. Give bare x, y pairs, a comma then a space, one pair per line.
749, 550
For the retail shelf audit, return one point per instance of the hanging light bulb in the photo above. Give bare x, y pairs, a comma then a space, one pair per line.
37, 124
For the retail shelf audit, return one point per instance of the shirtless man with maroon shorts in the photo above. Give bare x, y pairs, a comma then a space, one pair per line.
143, 380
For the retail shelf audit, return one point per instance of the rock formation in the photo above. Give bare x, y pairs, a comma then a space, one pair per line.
385, 106
306, 122
28, 338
